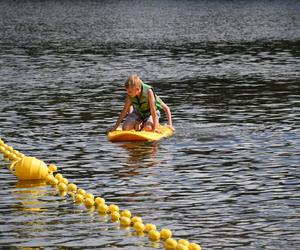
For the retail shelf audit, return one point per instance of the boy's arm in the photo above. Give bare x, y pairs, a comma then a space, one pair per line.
151, 99
123, 113
167, 110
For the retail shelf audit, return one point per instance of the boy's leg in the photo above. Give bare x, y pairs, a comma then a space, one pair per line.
131, 121
148, 124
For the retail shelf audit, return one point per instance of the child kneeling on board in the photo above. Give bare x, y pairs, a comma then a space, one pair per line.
142, 108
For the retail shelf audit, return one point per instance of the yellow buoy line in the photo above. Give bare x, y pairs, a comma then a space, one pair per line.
31, 168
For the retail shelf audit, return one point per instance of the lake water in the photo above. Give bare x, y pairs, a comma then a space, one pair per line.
229, 70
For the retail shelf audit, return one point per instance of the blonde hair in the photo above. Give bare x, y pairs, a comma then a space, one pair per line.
133, 81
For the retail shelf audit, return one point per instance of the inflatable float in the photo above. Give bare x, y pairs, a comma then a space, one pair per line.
131, 135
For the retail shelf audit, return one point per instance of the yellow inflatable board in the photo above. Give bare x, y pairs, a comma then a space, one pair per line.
131, 135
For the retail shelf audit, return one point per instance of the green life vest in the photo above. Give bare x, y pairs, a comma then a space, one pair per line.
142, 104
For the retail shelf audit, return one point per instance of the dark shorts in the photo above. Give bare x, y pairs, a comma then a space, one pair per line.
136, 117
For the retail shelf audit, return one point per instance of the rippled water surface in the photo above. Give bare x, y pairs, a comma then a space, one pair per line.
229, 70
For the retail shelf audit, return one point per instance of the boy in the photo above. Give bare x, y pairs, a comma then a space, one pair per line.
142, 107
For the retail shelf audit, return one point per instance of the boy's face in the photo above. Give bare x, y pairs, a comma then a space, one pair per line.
133, 91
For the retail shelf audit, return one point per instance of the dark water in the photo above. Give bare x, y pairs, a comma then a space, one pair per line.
229, 70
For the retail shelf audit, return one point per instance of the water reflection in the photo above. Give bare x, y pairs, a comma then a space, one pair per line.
30, 184
140, 155
29, 194
138, 152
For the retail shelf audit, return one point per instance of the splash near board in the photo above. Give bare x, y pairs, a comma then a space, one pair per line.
131, 135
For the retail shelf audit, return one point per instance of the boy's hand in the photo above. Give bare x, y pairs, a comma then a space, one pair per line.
171, 127
157, 130
111, 129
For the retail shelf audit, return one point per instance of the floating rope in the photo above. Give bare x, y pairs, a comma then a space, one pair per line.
31, 168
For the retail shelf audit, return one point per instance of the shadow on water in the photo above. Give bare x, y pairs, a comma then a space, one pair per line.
30, 195
138, 152
139, 156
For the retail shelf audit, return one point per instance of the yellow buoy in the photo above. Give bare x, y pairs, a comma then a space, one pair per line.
62, 187
52, 168
89, 195
89, 202
113, 208
194, 246
170, 244
7, 154
53, 182
58, 176
115, 216
72, 187
184, 242
64, 180
29, 168
22, 155
48, 179
136, 219
99, 200
62, 193
126, 213
81, 191
149, 227
154, 235
79, 198
13, 157
139, 227
181, 247
19, 154
165, 233
125, 221
102, 208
